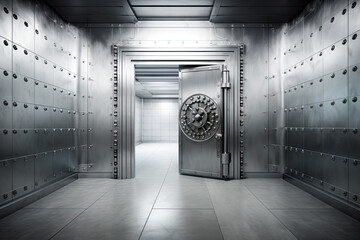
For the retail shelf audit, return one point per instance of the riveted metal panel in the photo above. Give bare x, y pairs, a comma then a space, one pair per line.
354, 141
336, 142
43, 117
313, 115
295, 159
314, 91
336, 56
336, 85
25, 9
23, 116
5, 19
6, 114
354, 13
43, 169
354, 48
23, 175
82, 137
5, 84
295, 137
313, 67
24, 142
6, 181
314, 164
275, 158
44, 70
23, 32
44, 94
23, 89
45, 140
313, 139
354, 179
6, 54
354, 83
60, 78
59, 138
295, 117
61, 162
336, 171
354, 113
6, 144
336, 113
312, 30
333, 25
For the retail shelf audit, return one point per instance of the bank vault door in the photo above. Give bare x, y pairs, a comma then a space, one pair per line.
203, 121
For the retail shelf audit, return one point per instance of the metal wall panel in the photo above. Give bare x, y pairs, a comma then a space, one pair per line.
5, 84
23, 89
313, 115
24, 142
6, 114
5, 19
6, 54
43, 117
336, 142
23, 32
23, 175
6, 144
354, 48
333, 25
45, 140
313, 139
23, 116
336, 56
43, 169
314, 91
354, 111
314, 164
354, 83
354, 13
354, 141
336, 85
44, 94
6, 181
336, 113
354, 178
336, 171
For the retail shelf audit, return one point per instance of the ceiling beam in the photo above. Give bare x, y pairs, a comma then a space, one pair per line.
129, 10
215, 10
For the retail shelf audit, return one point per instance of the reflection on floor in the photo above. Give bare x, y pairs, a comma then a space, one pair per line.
161, 204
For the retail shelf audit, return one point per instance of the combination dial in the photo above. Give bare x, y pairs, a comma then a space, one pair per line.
199, 117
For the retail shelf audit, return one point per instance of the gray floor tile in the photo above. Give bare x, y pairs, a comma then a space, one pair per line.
104, 224
287, 196
319, 224
182, 224
36, 223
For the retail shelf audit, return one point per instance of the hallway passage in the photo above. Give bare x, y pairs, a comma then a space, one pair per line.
161, 204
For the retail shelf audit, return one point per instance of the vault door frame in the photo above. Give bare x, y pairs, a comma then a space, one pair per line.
128, 57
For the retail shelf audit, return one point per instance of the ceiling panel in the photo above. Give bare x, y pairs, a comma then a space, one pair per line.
222, 11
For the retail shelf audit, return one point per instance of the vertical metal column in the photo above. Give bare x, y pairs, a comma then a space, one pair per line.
115, 131
225, 156
242, 114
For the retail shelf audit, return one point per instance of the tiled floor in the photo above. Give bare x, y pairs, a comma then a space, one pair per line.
161, 204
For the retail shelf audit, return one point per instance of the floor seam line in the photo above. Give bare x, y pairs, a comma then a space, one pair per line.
217, 219
79, 214
293, 234
162, 184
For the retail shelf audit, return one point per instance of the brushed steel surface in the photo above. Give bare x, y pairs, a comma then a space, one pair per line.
201, 158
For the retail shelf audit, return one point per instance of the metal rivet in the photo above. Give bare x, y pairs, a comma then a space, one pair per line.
344, 72
15, 16
320, 28
26, 24
14, 104
344, 11
25, 52
14, 75
344, 41
354, 99
344, 101
5, 103
332, 103
332, 47
15, 47
333, 75
5, 73
45, 37
36, 31
354, 69
25, 105
5, 131
320, 54
355, 198
5, 43
6, 10
311, 34
332, 19
353, 5
354, 36
36, 57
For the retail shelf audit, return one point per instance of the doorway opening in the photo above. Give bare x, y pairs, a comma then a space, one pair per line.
156, 117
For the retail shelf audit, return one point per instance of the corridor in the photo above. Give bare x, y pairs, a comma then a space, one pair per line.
161, 204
